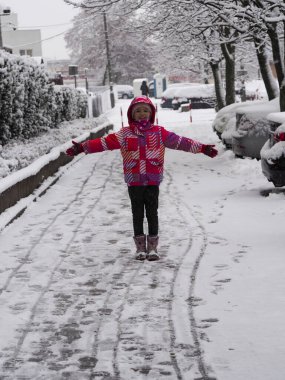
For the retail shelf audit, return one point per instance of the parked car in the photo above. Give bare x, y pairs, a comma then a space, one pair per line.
252, 128
273, 151
200, 96
224, 123
169, 94
124, 91
56, 78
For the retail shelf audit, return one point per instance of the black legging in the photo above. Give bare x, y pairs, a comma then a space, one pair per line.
144, 198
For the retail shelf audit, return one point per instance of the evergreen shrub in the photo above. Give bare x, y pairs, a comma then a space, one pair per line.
29, 103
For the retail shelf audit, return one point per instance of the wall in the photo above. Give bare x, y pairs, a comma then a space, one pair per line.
23, 40
18, 39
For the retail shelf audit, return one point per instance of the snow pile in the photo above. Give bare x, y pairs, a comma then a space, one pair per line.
172, 88
259, 108
196, 91
256, 89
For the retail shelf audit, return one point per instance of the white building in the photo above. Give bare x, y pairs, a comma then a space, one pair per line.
18, 41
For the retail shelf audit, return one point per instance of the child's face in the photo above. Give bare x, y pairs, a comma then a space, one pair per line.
141, 112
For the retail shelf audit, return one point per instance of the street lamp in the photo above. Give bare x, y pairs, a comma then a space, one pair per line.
6, 12
112, 97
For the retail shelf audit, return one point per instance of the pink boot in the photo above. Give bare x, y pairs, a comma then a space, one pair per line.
152, 242
140, 242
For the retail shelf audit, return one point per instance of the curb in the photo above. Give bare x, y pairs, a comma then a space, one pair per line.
24, 183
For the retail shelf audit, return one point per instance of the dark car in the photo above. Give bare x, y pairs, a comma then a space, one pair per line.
273, 155
167, 97
196, 103
200, 95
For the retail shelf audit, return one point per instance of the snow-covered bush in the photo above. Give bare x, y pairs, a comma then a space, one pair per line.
29, 103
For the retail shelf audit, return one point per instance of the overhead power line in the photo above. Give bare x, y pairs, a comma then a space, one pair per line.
45, 26
43, 40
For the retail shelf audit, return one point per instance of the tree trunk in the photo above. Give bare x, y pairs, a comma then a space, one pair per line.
276, 51
265, 70
282, 97
228, 51
104, 82
218, 85
282, 86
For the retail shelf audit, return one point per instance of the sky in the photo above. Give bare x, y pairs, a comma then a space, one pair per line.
75, 303
42, 14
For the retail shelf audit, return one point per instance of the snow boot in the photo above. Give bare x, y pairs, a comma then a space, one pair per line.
152, 242
140, 242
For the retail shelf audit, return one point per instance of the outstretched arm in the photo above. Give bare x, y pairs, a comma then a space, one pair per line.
109, 142
173, 141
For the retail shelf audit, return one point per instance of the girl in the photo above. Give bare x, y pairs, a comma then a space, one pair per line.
142, 146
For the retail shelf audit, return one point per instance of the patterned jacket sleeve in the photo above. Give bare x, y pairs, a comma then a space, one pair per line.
173, 141
109, 142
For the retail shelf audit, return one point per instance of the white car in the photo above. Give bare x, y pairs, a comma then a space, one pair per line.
124, 91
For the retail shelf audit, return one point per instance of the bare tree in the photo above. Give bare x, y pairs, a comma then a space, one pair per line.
130, 52
218, 27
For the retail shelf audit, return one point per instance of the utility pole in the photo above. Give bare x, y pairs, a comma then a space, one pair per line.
112, 97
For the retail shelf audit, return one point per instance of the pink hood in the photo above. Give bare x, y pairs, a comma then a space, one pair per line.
141, 99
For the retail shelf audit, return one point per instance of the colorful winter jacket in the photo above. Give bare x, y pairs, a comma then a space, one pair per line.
142, 151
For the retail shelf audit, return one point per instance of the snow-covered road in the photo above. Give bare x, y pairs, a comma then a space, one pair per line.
74, 304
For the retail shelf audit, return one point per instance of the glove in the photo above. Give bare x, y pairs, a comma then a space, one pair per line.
209, 150
75, 149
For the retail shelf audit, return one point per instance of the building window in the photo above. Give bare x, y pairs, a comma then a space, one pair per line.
26, 52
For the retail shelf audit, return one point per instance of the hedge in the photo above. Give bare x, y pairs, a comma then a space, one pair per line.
29, 103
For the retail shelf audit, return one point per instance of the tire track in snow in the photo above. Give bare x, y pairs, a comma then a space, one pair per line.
173, 349
25, 259
10, 363
135, 268
172, 287
171, 323
116, 368
199, 253
146, 368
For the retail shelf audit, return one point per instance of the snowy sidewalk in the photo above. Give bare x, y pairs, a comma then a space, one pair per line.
76, 305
